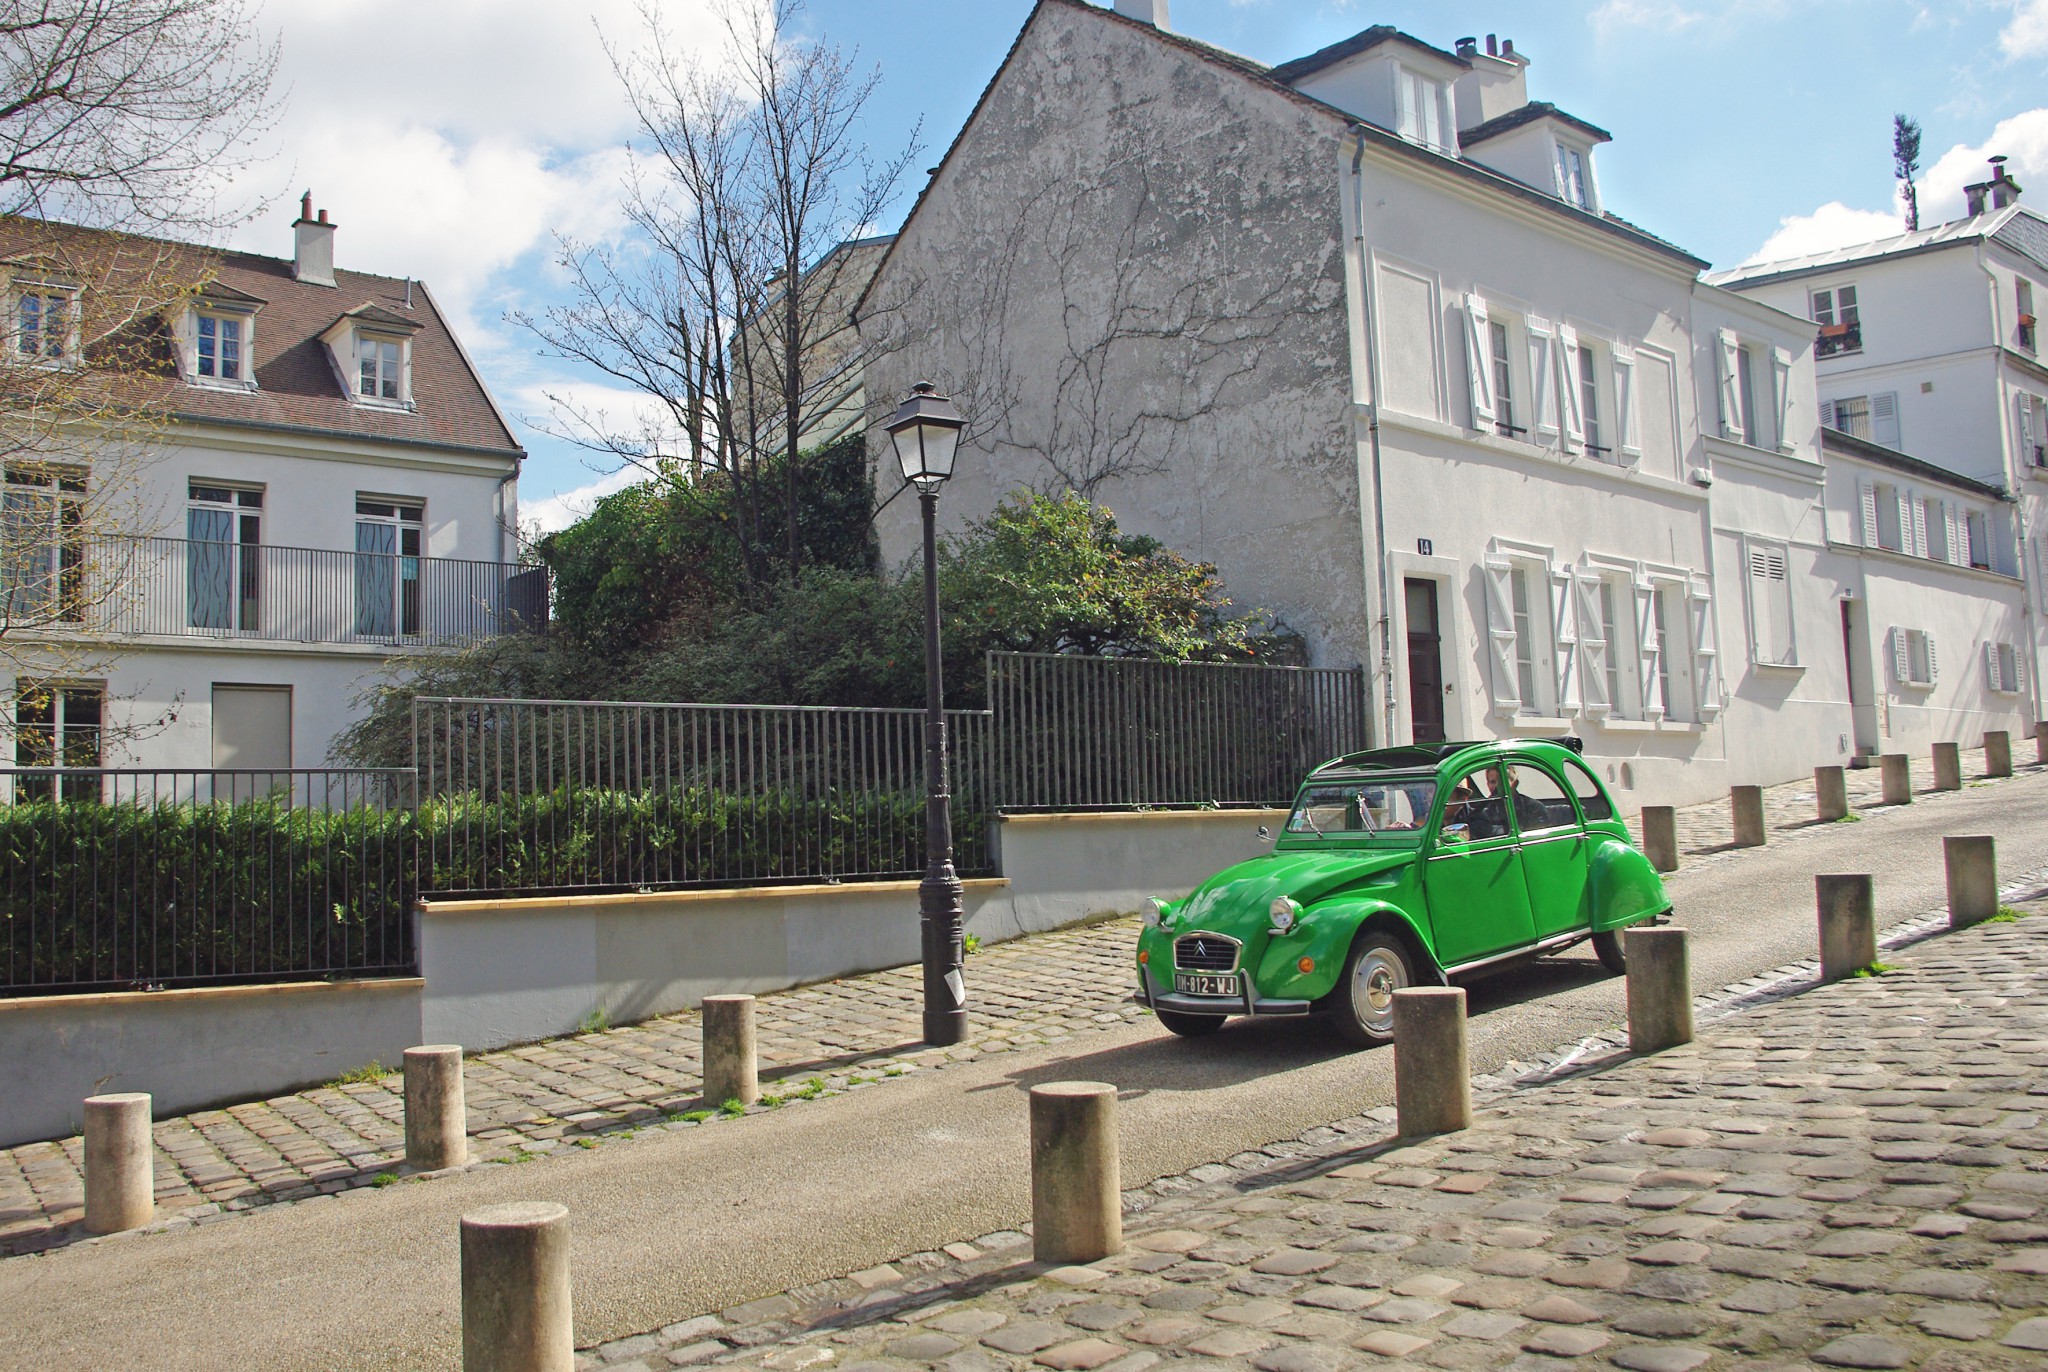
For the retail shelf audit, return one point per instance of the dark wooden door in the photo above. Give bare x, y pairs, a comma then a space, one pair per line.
1425, 663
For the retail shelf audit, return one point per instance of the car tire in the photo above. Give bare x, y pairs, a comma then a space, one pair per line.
1189, 1026
1607, 947
1362, 1004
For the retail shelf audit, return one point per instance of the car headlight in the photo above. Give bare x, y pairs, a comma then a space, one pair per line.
1158, 913
1285, 913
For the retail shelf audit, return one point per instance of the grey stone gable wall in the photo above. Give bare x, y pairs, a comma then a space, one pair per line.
1130, 275
2026, 234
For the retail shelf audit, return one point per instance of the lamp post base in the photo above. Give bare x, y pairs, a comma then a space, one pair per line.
944, 945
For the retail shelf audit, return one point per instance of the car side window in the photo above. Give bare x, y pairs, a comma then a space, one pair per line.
1476, 808
1540, 802
1592, 800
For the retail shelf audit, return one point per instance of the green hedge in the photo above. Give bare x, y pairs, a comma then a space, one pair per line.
93, 893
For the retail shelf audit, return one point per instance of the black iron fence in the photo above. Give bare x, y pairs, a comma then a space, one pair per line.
1082, 733
178, 587
543, 795
121, 878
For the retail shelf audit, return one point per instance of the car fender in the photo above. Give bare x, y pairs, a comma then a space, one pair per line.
1624, 887
1324, 936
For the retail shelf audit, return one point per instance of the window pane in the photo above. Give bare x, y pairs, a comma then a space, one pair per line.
1525, 642
1540, 803
1592, 799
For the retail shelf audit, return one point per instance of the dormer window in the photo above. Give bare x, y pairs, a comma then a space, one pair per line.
379, 375
44, 323
218, 347
1422, 109
1573, 186
372, 350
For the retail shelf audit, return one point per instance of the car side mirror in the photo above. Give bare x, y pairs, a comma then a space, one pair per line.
1265, 834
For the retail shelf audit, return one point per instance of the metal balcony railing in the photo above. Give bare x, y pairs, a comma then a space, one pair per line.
192, 588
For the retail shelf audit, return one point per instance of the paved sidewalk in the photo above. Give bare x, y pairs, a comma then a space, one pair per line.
1851, 1177
600, 1087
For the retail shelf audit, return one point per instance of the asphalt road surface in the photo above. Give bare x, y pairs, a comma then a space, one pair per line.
675, 1224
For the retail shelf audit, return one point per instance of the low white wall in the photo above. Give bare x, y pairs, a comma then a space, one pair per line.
499, 972
191, 1049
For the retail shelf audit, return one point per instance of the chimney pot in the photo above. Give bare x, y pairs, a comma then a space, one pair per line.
323, 216
1492, 45
1468, 47
306, 205
1507, 47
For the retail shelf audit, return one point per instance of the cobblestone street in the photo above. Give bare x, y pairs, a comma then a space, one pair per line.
596, 1089
1850, 1177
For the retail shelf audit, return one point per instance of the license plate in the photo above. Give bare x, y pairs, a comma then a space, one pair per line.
1197, 984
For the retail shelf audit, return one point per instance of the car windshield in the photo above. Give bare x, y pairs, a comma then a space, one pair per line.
1369, 807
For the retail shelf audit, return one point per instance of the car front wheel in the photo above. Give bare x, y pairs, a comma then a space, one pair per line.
1189, 1026
1363, 1006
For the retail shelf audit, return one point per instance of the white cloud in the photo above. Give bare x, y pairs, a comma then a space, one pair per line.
561, 510
2023, 139
1833, 225
2026, 34
1650, 14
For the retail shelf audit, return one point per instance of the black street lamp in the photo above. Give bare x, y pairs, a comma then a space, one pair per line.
926, 431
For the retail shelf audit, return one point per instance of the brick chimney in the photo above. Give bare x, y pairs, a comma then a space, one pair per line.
1151, 12
1995, 194
312, 245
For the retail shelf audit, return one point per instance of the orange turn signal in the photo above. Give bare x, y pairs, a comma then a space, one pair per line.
1144, 959
1307, 964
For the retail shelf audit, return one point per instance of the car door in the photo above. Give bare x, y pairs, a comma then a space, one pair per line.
1553, 840
1478, 897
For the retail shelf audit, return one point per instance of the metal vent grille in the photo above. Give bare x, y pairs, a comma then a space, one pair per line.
1205, 953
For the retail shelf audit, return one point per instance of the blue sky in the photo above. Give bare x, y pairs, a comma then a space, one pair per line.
1740, 126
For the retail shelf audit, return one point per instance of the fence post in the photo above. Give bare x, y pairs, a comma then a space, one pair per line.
1746, 807
120, 1163
731, 1064
1997, 753
1948, 766
1848, 924
1898, 778
1659, 989
1432, 1070
1660, 837
436, 1121
515, 1289
1972, 863
1076, 1185
1830, 794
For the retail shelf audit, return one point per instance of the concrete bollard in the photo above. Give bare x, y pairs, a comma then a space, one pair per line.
1948, 766
2041, 744
515, 1289
1898, 778
1076, 1185
1746, 806
120, 1163
436, 1121
1848, 924
1997, 753
1972, 862
1659, 989
731, 1066
1830, 794
1660, 837
1432, 1071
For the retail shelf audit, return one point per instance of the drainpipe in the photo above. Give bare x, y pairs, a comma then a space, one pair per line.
498, 499
2014, 472
1372, 382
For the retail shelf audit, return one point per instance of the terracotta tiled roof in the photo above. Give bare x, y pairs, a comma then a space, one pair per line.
297, 384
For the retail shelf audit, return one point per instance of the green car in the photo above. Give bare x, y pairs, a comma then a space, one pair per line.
1402, 867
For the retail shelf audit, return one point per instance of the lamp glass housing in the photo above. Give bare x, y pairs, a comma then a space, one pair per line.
926, 431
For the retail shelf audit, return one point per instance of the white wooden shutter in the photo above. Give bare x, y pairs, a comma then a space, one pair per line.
1500, 636
1933, 662
1542, 382
1957, 532
1564, 626
1646, 639
1706, 678
1781, 390
1766, 610
1570, 389
1827, 415
1884, 419
1728, 354
2026, 429
1901, 668
1918, 525
2019, 665
1479, 362
1411, 106
1991, 672
1627, 428
1866, 510
1904, 505
1593, 645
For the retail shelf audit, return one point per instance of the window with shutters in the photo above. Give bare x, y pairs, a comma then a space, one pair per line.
1589, 405
1913, 657
1745, 380
1526, 609
1841, 324
1977, 532
1890, 531
1502, 361
2002, 661
2033, 430
1873, 418
1935, 513
2023, 292
1771, 641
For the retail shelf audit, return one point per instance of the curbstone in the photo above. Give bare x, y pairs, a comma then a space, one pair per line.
1997, 753
120, 1163
1432, 1068
1948, 766
1971, 861
515, 1289
1660, 837
1076, 1191
1746, 808
1830, 794
436, 1120
1898, 778
1848, 924
1659, 989
731, 1063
